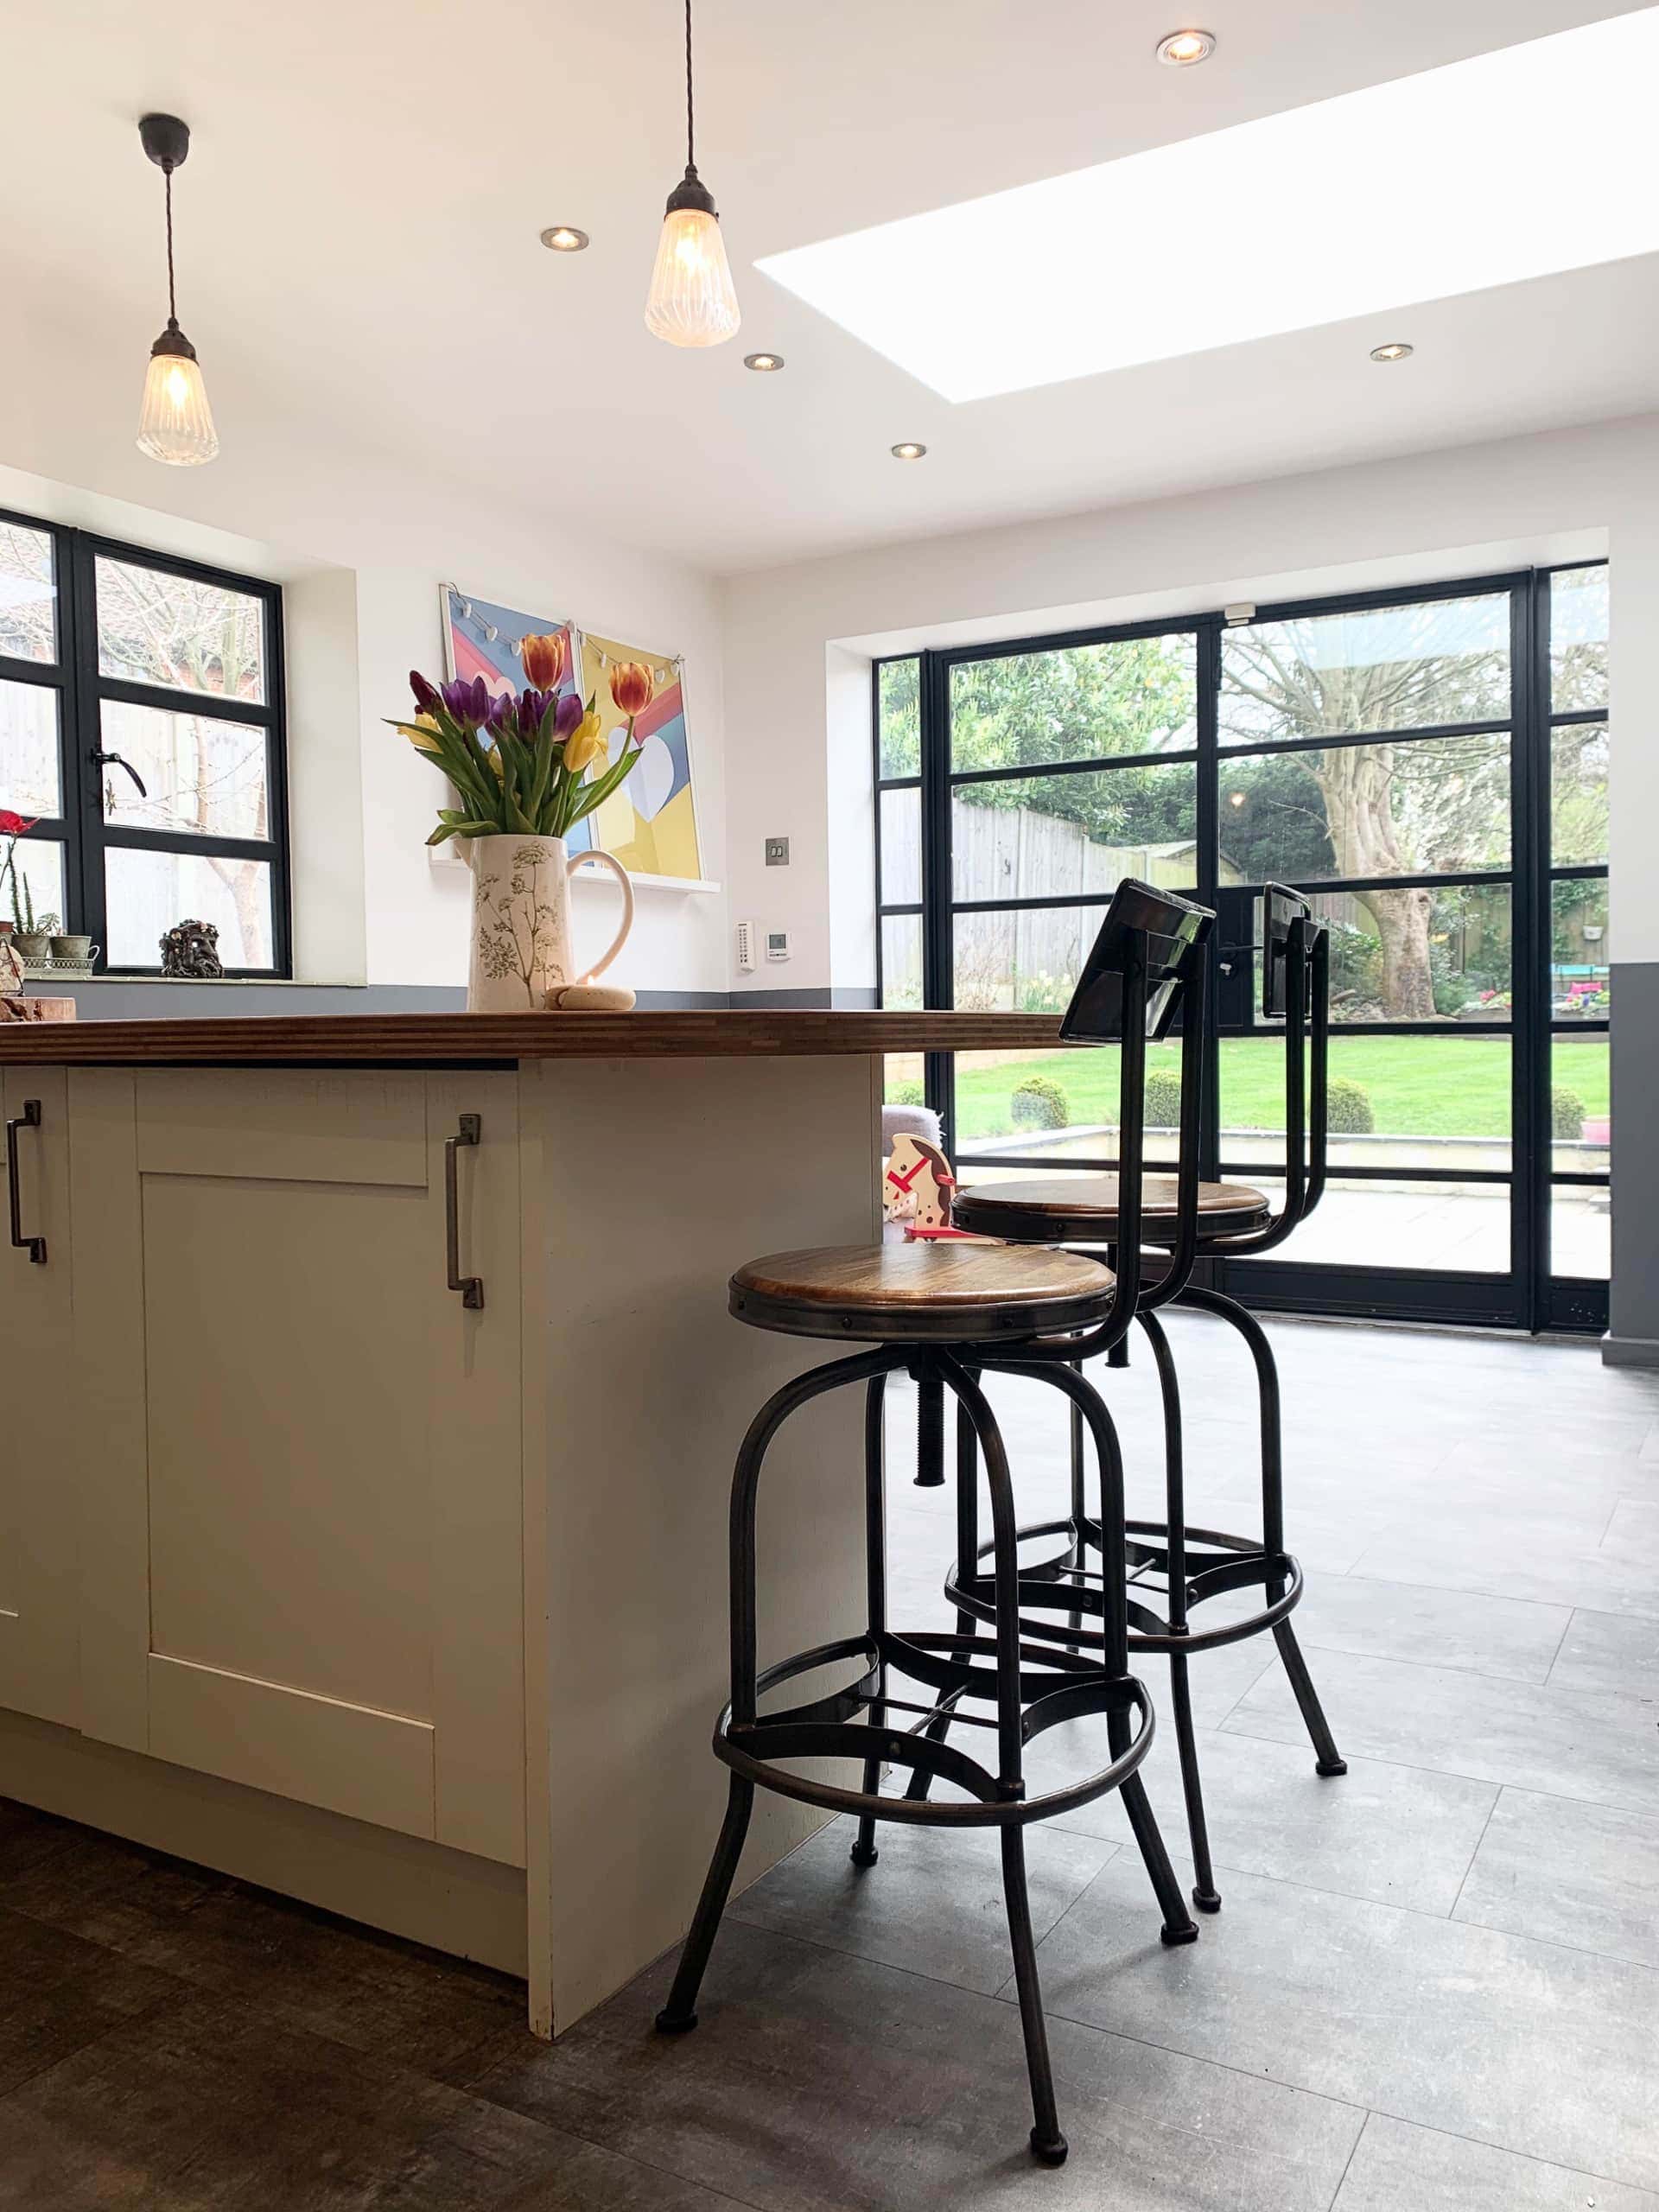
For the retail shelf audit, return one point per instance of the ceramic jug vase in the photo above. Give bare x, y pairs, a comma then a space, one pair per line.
522, 944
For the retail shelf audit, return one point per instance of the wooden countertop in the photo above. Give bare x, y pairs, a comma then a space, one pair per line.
367, 1037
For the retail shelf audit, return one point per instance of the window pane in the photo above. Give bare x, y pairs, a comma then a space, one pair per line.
1023, 962
1579, 1106
1578, 793
901, 960
1454, 1228
1580, 1233
155, 627
1434, 1101
29, 780
901, 848
898, 706
149, 892
1086, 702
1387, 668
202, 774
1428, 809
1579, 978
903, 1084
1061, 1105
1046, 836
1577, 639
29, 597
1415, 956
40, 864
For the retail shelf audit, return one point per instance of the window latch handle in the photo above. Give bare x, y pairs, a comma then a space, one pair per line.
116, 759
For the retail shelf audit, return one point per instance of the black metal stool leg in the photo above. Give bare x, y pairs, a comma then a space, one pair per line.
1046, 2140
1205, 1893
1327, 1758
1179, 1927
864, 1852
921, 1783
681, 2011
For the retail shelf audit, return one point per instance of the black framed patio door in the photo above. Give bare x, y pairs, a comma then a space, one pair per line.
1429, 768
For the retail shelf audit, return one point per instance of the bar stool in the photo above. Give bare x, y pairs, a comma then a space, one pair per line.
948, 1313
1192, 1220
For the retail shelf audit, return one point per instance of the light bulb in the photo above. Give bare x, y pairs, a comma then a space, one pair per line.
175, 423
691, 301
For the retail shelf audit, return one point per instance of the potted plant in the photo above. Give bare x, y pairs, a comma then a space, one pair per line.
28, 932
527, 766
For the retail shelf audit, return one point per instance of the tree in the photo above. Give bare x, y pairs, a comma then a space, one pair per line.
1387, 809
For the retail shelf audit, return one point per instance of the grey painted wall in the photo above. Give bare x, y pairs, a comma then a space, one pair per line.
1633, 1337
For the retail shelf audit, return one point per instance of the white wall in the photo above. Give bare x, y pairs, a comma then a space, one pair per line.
360, 549
798, 638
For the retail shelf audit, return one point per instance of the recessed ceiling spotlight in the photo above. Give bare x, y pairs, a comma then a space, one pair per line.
764, 364
1394, 350
564, 237
909, 451
1182, 48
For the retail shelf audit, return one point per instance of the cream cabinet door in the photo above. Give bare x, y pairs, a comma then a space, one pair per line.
306, 1568
39, 1655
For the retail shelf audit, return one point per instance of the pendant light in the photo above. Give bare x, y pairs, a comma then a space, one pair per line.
691, 302
175, 423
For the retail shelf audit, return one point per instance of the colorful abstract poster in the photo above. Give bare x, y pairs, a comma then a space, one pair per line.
649, 823
480, 638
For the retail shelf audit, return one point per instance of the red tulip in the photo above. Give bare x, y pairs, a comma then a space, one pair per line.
544, 658
632, 687
12, 825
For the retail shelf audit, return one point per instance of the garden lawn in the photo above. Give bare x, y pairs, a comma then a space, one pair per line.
1442, 1085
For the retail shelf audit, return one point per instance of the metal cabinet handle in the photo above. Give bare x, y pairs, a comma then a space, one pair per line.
29, 1119
470, 1286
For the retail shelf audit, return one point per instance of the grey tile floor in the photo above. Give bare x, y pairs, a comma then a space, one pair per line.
1434, 1985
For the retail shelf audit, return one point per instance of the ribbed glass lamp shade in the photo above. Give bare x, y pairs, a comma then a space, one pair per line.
175, 423
691, 301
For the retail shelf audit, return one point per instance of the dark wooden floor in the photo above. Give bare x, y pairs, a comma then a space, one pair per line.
1434, 1985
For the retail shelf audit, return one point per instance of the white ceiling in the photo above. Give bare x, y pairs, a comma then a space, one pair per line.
359, 255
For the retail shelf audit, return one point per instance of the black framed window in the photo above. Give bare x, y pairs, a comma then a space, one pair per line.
1429, 767
141, 732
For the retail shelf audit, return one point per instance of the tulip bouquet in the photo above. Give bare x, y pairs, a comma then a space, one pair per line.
524, 763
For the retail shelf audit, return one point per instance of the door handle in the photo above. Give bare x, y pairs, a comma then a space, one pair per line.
29, 1119
116, 760
470, 1286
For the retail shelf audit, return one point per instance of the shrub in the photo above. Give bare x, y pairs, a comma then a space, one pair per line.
1350, 1110
1566, 1114
1163, 1097
906, 1094
1039, 1103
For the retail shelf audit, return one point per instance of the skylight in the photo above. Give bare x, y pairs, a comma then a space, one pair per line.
1513, 165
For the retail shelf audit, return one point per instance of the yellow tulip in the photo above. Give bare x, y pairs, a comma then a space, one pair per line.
422, 732
585, 744
494, 757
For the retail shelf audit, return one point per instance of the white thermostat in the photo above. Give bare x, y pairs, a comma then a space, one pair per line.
777, 945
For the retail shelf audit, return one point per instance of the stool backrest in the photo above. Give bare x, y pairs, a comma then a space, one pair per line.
1147, 968
1296, 989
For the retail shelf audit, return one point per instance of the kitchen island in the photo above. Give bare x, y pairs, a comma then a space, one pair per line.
371, 1405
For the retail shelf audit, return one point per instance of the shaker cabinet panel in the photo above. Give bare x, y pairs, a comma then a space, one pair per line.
318, 1437
38, 1651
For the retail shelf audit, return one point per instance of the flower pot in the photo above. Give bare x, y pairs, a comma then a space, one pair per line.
522, 942
32, 944
80, 949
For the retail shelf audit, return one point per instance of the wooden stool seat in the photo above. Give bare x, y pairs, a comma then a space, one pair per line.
929, 1291
1083, 1209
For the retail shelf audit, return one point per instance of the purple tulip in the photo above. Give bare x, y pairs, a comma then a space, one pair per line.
468, 703
568, 715
426, 697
